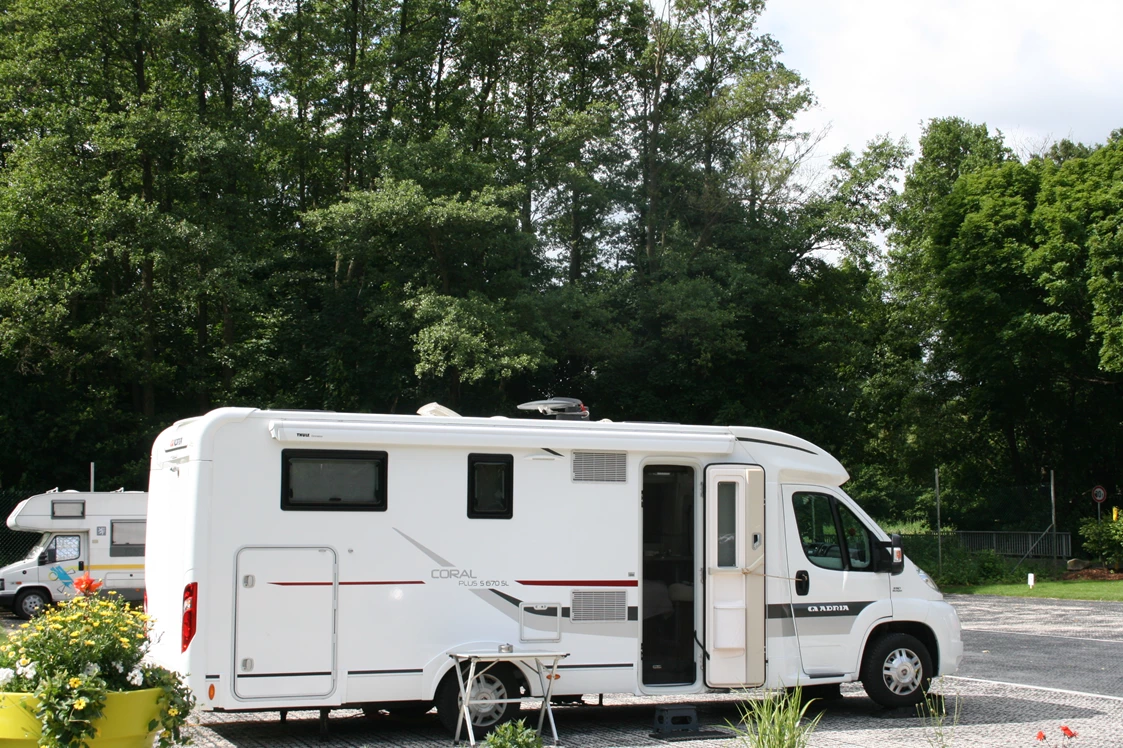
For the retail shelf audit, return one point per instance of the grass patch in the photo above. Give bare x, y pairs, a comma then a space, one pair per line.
1073, 590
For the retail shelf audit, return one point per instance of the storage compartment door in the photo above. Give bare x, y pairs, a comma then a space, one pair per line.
284, 622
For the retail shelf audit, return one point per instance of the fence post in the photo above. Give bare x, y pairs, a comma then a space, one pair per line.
1053, 512
939, 529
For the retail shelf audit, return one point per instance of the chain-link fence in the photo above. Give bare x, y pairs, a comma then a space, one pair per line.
13, 545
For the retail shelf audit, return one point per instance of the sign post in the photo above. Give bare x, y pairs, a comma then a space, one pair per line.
1099, 494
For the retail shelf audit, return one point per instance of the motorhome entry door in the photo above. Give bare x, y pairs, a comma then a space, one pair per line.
284, 621
734, 556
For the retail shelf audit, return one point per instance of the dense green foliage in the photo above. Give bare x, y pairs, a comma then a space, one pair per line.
1104, 541
347, 205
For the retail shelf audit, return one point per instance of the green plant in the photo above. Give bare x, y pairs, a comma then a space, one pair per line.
933, 714
1104, 540
775, 721
74, 654
513, 735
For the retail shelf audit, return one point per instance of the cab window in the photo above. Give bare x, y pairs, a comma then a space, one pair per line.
817, 530
859, 545
832, 536
63, 548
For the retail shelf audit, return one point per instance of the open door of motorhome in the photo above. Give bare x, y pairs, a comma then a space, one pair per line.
734, 567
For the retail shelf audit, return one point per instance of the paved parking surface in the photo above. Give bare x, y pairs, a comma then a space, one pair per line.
1030, 665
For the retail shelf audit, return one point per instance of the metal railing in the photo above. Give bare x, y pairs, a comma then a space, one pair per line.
1018, 543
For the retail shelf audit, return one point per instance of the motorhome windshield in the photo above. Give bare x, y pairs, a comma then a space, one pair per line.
38, 547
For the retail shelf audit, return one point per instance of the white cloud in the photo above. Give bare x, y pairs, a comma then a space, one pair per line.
1036, 70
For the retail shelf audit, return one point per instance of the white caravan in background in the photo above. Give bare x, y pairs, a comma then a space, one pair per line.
314, 560
97, 532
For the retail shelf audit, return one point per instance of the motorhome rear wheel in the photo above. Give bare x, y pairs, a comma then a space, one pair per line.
498, 683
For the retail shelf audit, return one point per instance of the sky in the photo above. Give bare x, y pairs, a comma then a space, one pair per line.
1038, 70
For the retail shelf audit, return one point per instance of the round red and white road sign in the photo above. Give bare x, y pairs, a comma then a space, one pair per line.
1099, 494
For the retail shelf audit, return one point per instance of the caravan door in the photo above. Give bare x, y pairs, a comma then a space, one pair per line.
734, 564
284, 622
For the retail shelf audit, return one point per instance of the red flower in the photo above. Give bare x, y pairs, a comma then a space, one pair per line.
1068, 733
1041, 735
87, 586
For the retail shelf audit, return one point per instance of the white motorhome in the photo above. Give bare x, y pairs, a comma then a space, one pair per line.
314, 560
97, 532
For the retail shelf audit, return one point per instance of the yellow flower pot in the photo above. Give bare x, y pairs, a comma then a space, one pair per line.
124, 723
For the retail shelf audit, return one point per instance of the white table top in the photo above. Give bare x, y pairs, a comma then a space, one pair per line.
518, 654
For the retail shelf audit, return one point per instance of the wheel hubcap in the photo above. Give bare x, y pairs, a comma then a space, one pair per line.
902, 672
31, 605
490, 690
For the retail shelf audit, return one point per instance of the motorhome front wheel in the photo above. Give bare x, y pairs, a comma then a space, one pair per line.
30, 602
897, 670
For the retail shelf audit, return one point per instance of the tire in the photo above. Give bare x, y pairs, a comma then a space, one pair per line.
897, 670
29, 602
498, 682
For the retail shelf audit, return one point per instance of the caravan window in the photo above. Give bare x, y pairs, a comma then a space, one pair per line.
491, 480
333, 480
126, 537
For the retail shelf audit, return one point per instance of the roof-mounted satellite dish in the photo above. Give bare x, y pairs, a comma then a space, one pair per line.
562, 408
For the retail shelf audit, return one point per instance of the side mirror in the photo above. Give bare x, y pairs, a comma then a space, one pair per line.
893, 556
47, 557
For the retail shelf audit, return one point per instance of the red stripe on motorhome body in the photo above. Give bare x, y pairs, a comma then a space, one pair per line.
578, 582
341, 584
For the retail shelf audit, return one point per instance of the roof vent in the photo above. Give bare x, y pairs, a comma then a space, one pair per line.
562, 408
436, 409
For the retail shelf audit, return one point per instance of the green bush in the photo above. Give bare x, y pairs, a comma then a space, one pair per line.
965, 568
513, 735
1104, 540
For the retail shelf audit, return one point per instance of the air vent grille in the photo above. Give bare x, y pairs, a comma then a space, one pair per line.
599, 606
600, 467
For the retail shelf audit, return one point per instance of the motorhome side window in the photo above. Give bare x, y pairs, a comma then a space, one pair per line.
333, 480
832, 536
126, 537
491, 482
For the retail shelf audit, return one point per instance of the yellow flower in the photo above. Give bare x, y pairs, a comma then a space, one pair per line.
25, 625
89, 643
80, 704
172, 711
75, 682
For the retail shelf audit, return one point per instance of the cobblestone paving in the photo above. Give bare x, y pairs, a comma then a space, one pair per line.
989, 715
